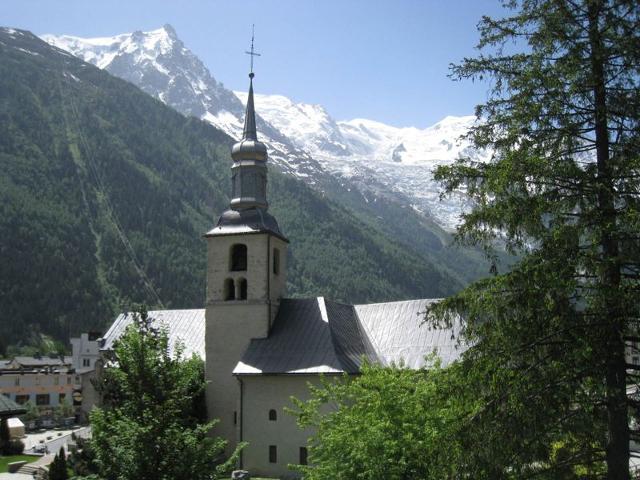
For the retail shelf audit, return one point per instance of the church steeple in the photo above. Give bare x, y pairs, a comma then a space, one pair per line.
248, 206
249, 170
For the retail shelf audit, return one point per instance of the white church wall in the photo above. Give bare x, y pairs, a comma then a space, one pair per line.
262, 393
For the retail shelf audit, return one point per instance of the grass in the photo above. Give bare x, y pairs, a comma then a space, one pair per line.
5, 461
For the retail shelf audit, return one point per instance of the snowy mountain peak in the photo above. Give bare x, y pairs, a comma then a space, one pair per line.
159, 63
102, 51
309, 126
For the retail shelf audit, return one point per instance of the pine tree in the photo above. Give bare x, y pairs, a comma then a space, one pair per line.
58, 468
561, 189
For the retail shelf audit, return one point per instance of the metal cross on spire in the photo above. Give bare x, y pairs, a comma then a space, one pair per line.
252, 52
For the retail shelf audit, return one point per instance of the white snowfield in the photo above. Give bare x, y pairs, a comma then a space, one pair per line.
303, 138
101, 51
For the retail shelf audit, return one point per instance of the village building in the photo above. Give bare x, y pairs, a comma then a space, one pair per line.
260, 348
48, 382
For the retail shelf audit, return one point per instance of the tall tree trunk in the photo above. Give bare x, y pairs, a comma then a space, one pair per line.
617, 447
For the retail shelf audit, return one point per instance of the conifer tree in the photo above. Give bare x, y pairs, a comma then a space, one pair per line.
561, 189
58, 468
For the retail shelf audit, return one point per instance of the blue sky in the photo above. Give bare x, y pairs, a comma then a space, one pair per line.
382, 60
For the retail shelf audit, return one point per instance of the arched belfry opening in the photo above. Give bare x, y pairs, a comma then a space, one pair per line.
229, 289
238, 260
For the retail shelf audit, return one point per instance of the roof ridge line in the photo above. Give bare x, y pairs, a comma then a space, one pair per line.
398, 301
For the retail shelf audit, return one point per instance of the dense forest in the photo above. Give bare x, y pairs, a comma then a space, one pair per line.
105, 194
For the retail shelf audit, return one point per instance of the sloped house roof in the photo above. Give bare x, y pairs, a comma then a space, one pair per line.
9, 408
315, 335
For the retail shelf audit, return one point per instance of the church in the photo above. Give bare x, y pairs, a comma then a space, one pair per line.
259, 347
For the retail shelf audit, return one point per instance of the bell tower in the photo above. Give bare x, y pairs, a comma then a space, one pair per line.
246, 276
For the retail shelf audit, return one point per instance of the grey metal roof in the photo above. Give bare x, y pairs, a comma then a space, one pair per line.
8, 407
185, 326
249, 130
315, 335
253, 220
319, 336
303, 340
398, 333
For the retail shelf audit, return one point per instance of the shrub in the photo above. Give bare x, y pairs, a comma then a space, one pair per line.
15, 447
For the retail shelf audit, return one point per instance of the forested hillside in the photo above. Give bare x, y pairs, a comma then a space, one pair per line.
105, 194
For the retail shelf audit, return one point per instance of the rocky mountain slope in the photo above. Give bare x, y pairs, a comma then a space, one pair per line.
379, 160
105, 193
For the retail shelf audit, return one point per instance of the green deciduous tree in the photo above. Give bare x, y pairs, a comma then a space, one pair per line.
561, 189
387, 423
151, 424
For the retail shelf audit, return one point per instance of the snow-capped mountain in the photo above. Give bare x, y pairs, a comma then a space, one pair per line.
158, 63
400, 158
377, 159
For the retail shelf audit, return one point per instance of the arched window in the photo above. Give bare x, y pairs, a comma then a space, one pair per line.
276, 261
229, 289
273, 415
243, 289
238, 258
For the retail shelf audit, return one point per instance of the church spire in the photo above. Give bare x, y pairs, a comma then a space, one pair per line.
249, 170
249, 132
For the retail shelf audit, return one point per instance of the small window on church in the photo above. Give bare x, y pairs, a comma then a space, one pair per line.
303, 456
273, 454
238, 258
273, 415
276, 261
229, 289
243, 289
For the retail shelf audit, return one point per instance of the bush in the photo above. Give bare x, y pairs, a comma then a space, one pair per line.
8, 446
16, 447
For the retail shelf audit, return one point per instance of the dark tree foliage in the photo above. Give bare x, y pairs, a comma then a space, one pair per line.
82, 459
58, 468
5, 436
561, 189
